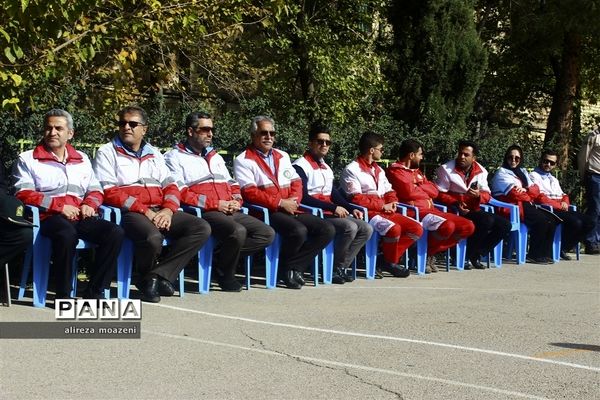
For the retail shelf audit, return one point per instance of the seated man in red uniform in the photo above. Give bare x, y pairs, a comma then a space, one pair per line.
463, 183
208, 185
412, 187
267, 178
365, 184
136, 179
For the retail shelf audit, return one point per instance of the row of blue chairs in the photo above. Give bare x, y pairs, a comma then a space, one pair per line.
38, 256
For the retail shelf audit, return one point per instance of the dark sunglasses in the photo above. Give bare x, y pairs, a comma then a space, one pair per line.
323, 142
132, 124
265, 133
545, 161
516, 158
205, 129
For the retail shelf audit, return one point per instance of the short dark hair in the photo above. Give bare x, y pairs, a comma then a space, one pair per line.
409, 146
316, 128
369, 140
549, 152
135, 110
191, 121
469, 143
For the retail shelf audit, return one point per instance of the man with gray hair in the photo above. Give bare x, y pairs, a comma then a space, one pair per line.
60, 181
267, 178
206, 183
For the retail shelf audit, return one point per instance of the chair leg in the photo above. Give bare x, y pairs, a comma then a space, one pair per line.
248, 266
205, 256
124, 268
328, 262
370, 256
461, 253
7, 285
422, 253
557, 243
271, 262
41, 267
25, 273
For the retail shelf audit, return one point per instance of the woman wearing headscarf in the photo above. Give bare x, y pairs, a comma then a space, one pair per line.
511, 184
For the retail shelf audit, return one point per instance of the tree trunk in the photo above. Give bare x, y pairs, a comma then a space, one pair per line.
558, 129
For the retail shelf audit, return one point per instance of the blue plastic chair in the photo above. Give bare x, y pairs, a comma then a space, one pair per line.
40, 254
271, 251
371, 248
461, 247
518, 235
126, 262
421, 243
556, 243
326, 254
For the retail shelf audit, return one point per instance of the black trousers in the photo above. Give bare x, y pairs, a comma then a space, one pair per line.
237, 234
541, 226
187, 231
302, 237
14, 239
490, 229
65, 234
576, 226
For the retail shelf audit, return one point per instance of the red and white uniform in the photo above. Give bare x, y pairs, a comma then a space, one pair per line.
49, 184
319, 177
366, 185
412, 187
135, 182
452, 184
259, 185
550, 191
203, 180
504, 188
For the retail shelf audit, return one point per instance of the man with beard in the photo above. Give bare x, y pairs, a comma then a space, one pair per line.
412, 187
463, 185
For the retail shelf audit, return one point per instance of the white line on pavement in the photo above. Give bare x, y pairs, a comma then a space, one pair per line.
352, 366
382, 337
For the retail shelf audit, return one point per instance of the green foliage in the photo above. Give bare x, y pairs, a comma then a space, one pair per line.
438, 62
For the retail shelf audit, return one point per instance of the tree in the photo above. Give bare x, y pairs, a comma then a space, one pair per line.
543, 55
438, 63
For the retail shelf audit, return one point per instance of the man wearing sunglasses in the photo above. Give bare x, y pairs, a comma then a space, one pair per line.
136, 179
206, 183
318, 191
576, 225
268, 179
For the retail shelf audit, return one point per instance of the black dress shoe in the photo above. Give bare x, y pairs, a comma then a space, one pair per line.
348, 277
398, 271
165, 288
230, 285
565, 256
337, 277
537, 260
289, 281
149, 290
298, 277
476, 263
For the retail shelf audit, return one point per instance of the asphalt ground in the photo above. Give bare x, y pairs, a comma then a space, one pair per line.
529, 331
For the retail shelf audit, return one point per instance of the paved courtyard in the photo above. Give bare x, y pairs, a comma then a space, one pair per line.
528, 331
